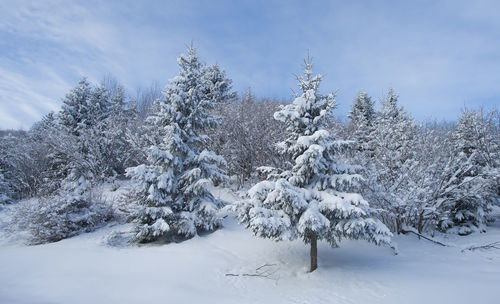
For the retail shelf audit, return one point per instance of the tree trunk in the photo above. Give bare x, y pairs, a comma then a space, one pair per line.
420, 223
314, 253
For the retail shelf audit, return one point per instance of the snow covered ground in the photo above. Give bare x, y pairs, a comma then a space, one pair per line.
84, 269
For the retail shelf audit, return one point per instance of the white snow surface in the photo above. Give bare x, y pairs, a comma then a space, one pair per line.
84, 269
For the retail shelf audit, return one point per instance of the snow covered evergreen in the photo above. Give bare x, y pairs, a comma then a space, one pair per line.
471, 186
392, 160
74, 209
172, 188
362, 119
89, 134
317, 198
74, 114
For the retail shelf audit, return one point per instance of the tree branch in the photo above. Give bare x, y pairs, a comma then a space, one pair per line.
494, 245
409, 230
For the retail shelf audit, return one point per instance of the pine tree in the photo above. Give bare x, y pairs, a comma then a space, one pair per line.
73, 210
393, 158
395, 130
316, 198
74, 114
472, 175
87, 105
95, 117
106, 140
362, 121
172, 188
99, 105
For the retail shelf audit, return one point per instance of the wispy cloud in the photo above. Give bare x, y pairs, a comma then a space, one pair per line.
439, 55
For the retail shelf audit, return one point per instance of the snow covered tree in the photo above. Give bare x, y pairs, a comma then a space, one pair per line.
393, 158
425, 184
90, 133
105, 141
5, 190
99, 105
24, 159
362, 121
472, 174
172, 188
16, 161
395, 130
316, 199
74, 114
246, 135
74, 209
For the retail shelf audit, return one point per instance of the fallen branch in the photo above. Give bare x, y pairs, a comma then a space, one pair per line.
261, 272
265, 265
494, 245
425, 237
249, 275
254, 275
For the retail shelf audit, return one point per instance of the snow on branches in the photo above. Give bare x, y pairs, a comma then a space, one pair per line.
316, 199
172, 188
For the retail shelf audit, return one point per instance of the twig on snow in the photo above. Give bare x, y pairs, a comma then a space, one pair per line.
265, 265
494, 245
260, 272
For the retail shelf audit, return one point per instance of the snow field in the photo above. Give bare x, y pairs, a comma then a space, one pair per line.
84, 269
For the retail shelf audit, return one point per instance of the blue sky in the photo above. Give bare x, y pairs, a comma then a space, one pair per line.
438, 55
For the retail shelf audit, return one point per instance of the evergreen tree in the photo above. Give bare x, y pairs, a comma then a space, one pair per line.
95, 120
46, 159
316, 198
99, 105
472, 174
172, 188
74, 114
87, 105
362, 121
106, 140
73, 210
395, 131
393, 159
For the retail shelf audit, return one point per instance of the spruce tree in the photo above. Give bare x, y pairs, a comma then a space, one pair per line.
87, 105
362, 121
74, 114
172, 189
393, 158
472, 175
316, 199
